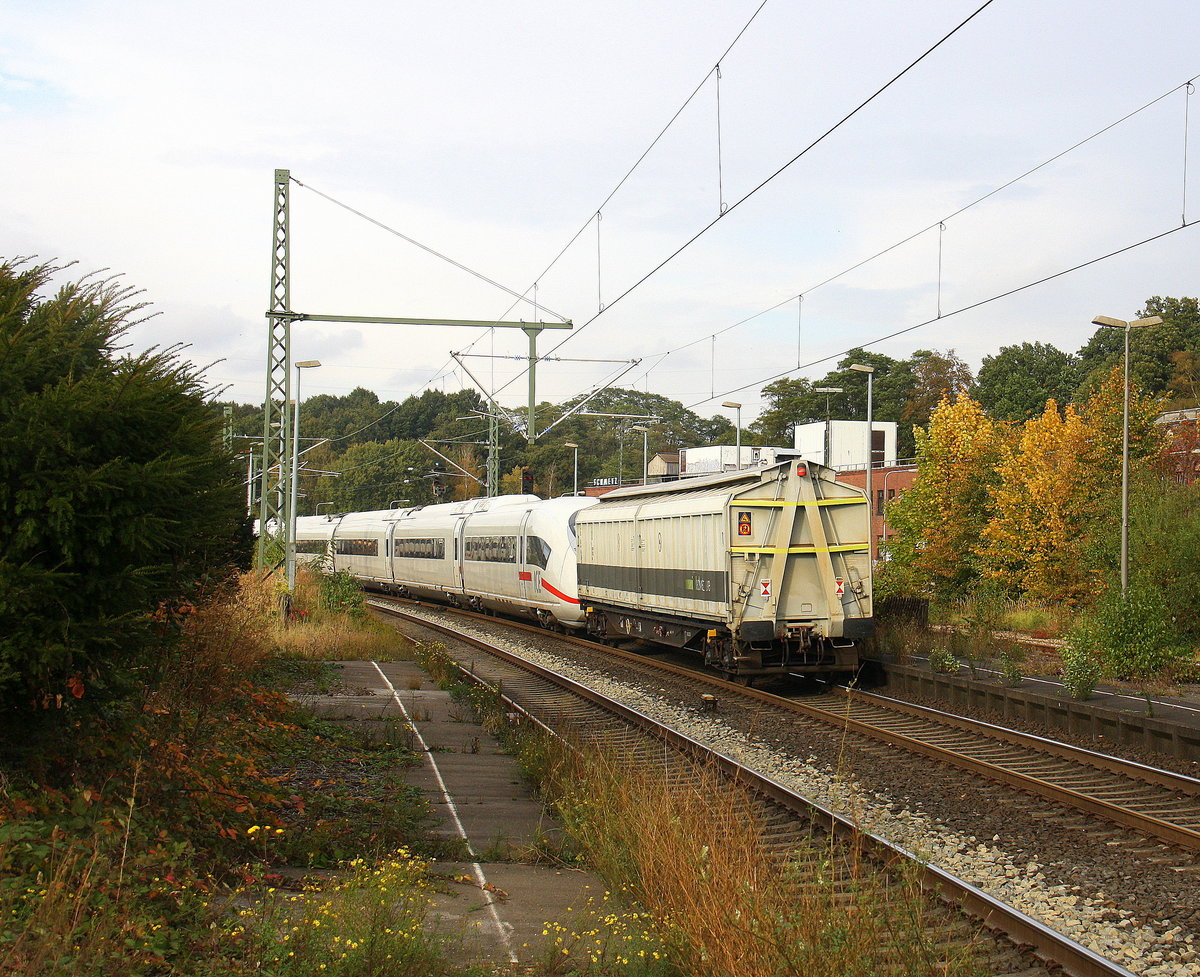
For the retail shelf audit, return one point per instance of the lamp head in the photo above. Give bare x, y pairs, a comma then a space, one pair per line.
1107, 320
862, 368
306, 364
730, 403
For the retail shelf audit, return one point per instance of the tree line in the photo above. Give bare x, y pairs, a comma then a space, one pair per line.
375, 446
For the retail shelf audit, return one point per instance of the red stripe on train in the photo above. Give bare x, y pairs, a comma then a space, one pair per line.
558, 593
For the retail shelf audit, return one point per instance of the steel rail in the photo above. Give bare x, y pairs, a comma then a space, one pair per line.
1151, 826
1104, 761
1045, 942
1101, 761
1156, 827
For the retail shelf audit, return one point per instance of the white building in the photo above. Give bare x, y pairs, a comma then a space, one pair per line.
724, 458
843, 444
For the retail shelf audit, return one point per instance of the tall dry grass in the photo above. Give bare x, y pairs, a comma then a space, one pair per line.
314, 630
57, 923
694, 855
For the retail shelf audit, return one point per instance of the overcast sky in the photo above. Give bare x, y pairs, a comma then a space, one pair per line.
142, 137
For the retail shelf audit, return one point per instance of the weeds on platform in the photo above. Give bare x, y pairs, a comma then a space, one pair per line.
372, 920
119, 841
1037, 619
609, 934
329, 620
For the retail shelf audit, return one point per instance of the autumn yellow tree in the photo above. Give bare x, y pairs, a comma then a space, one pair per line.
1055, 503
936, 528
1045, 504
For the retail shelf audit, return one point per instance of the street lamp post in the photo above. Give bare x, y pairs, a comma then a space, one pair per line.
734, 405
828, 392
295, 478
1103, 320
870, 372
575, 482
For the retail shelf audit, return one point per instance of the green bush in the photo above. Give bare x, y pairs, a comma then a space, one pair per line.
1131, 635
1010, 663
119, 503
1080, 672
1164, 547
339, 591
941, 659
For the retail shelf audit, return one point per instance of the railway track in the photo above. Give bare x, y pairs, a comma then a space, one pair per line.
553, 700
1158, 804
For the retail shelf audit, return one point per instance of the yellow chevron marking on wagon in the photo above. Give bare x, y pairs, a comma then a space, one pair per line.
845, 548
780, 503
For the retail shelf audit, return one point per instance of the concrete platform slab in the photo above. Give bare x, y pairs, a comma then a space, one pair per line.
520, 906
477, 795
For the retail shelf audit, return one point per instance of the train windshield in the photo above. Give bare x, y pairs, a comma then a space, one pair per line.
537, 552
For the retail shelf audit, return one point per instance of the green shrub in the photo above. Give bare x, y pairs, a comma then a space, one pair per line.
119, 504
1010, 667
941, 659
339, 591
1080, 672
1132, 635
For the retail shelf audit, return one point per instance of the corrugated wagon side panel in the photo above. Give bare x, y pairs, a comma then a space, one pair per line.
667, 557
683, 563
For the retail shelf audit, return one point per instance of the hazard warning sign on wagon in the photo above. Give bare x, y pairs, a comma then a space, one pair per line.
745, 526
840, 586
764, 588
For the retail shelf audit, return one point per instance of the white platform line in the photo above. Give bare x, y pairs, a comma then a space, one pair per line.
502, 928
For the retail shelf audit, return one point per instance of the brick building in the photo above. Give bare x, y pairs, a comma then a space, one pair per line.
887, 482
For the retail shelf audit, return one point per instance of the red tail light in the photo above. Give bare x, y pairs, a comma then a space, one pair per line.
801, 470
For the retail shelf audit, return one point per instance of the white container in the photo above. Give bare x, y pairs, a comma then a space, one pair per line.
846, 447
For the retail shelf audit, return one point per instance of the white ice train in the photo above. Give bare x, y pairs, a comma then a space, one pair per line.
514, 553
760, 571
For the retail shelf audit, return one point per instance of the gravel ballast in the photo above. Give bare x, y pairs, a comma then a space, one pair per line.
1101, 894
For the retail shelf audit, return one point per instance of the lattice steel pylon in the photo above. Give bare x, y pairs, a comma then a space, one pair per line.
273, 515
493, 456
276, 519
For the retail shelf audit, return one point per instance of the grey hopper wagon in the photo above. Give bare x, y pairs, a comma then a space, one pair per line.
760, 571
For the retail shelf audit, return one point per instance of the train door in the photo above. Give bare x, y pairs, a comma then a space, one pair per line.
459, 553
527, 586
640, 553
389, 550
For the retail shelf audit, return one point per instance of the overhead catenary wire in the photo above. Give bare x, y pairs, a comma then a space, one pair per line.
575, 333
940, 224
437, 254
597, 214
959, 311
